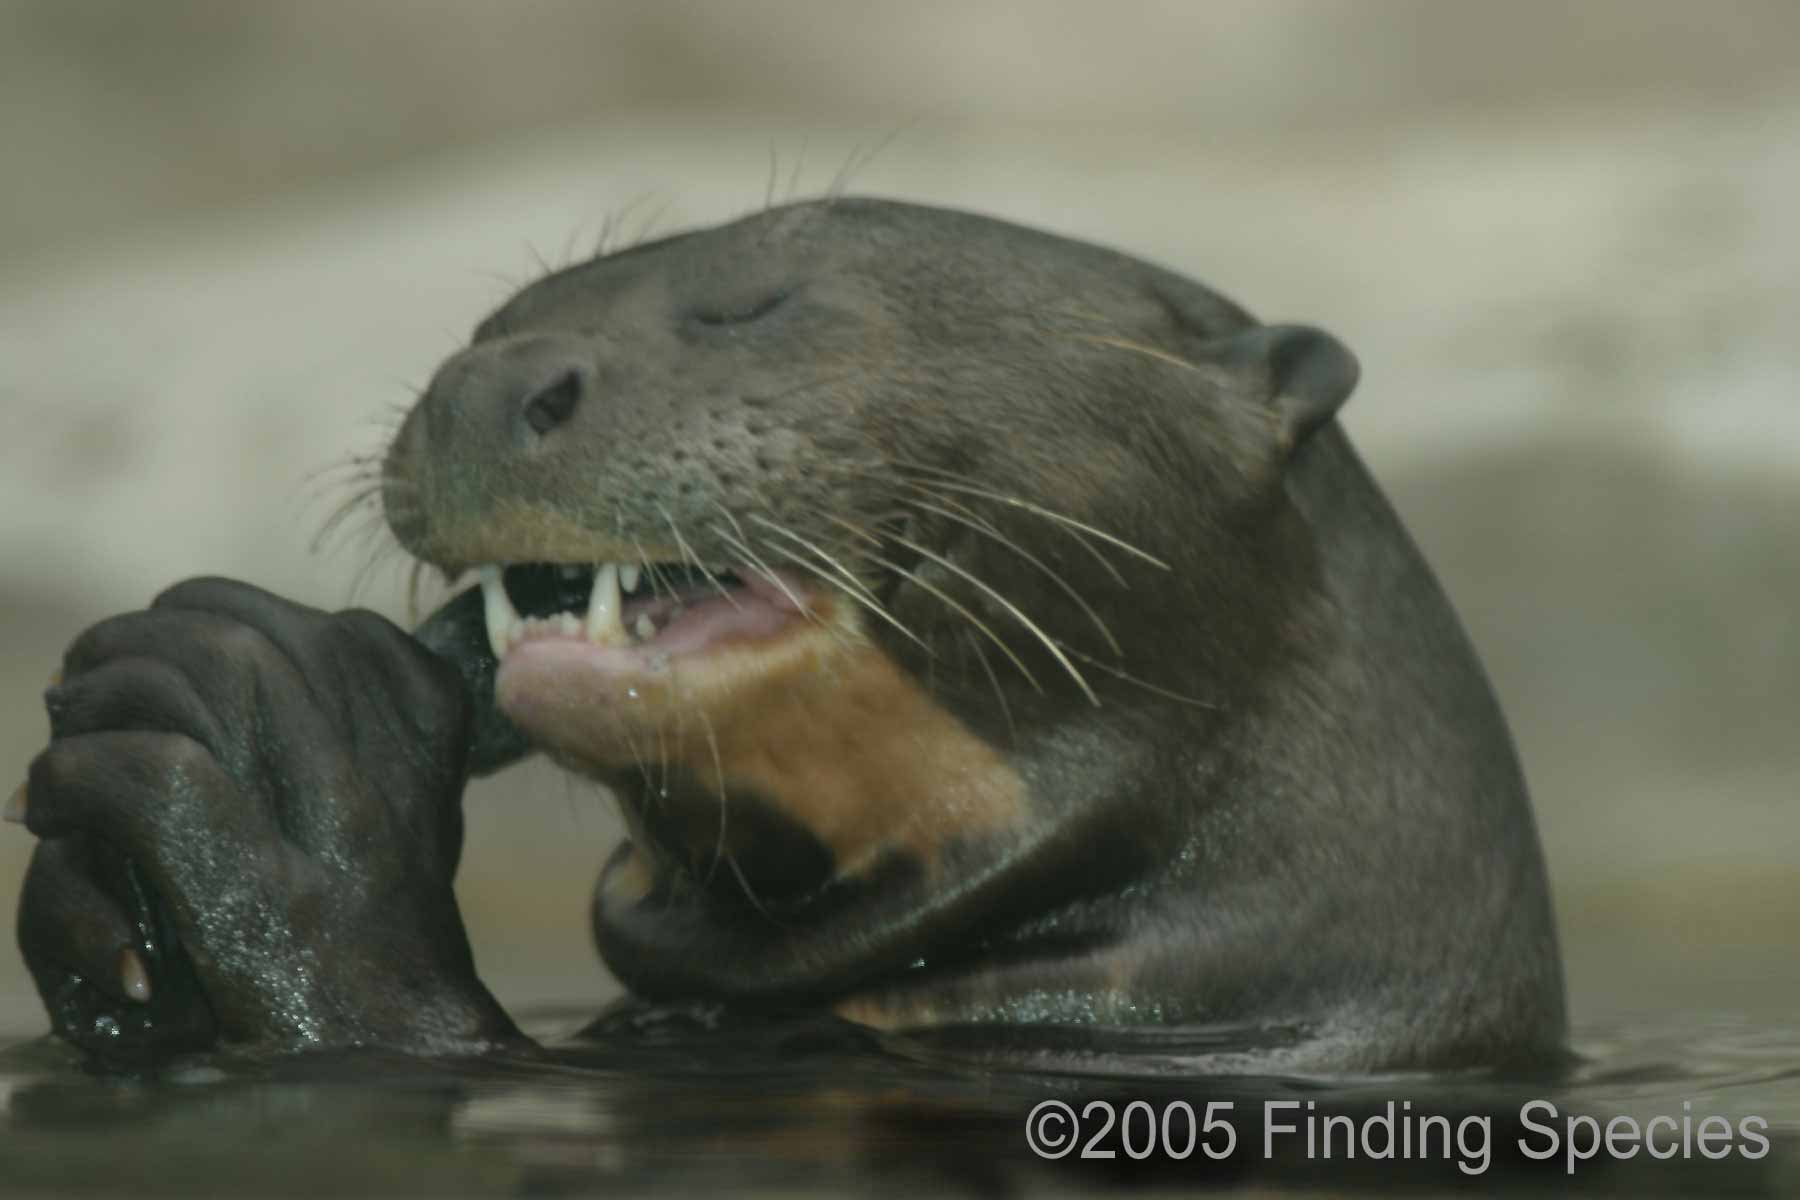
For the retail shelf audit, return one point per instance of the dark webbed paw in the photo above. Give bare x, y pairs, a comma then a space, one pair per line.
259, 805
115, 979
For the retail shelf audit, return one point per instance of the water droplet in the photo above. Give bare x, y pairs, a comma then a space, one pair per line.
632, 692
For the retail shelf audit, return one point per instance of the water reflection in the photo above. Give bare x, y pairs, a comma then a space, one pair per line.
679, 1104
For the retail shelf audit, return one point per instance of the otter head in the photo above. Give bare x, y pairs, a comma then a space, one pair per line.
806, 532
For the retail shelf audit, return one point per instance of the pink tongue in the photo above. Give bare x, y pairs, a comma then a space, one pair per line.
560, 689
755, 607
754, 610
553, 686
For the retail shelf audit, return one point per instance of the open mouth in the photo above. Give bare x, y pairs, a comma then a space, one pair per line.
646, 610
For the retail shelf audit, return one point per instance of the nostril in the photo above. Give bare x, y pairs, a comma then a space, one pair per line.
554, 404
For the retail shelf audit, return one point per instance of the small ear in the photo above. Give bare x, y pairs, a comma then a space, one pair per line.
1305, 375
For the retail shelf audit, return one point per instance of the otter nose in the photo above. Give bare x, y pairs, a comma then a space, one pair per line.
529, 385
554, 403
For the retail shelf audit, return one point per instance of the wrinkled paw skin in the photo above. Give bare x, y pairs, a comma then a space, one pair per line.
249, 817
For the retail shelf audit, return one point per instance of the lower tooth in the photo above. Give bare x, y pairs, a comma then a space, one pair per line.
645, 627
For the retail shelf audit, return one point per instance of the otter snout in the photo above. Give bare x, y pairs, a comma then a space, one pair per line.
495, 420
525, 387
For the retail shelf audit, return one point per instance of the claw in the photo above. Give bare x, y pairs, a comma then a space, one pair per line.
133, 977
15, 806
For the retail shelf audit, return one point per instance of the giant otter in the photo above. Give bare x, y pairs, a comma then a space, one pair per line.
975, 626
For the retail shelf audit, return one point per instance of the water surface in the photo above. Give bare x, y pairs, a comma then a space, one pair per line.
682, 1104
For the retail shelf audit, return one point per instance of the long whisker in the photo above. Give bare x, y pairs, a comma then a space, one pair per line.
644, 565
603, 239
659, 582
653, 221
1059, 518
1127, 677
793, 183
959, 608
712, 743
742, 542
848, 575
1093, 551
361, 473
687, 552
638, 758
974, 644
380, 554
856, 531
1017, 613
858, 590
957, 482
570, 240
861, 157
766, 571
749, 893
613, 239
988, 530
1123, 343
361, 500
867, 600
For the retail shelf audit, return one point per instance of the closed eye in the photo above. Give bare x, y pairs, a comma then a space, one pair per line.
743, 315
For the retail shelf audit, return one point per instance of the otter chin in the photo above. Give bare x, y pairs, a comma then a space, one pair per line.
979, 626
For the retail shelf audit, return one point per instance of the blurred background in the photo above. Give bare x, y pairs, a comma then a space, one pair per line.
1562, 239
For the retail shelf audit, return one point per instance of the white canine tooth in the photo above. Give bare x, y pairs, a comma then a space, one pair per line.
503, 625
628, 576
603, 625
645, 627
